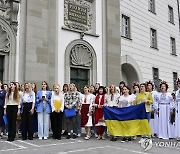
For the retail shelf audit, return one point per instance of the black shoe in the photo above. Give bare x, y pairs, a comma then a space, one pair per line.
8, 139
24, 138
115, 139
30, 138
68, 137
129, 139
123, 140
74, 136
59, 138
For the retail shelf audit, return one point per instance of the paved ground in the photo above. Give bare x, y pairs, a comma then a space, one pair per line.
81, 146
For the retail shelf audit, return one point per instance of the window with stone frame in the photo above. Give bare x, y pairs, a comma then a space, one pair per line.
151, 4
125, 26
175, 76
155, 72
173, 45
153, 38
171, 14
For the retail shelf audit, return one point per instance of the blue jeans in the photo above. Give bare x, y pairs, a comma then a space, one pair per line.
148, 115
43, 124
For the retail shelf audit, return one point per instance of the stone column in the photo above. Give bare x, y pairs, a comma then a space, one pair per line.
113, 42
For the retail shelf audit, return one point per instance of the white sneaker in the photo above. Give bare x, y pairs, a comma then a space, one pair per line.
45, 138
40, 138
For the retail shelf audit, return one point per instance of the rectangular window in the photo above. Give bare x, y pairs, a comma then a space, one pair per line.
152, 6
173, 46
153, 38
175, 75
155, 73
171, 14
125, 26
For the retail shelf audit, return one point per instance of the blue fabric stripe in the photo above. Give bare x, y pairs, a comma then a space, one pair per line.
125, 113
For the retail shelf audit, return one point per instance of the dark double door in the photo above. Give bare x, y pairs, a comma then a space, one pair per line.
80, 77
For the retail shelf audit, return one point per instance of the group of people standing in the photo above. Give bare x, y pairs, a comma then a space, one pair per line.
69, 109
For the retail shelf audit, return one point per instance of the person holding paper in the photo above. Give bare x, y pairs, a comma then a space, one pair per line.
57, 105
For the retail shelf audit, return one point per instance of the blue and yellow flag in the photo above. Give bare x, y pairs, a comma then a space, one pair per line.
127, 121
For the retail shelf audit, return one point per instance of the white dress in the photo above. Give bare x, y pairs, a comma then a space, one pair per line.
166, 129
154, 122
177, 115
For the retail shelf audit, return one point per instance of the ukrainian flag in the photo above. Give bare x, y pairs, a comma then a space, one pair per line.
127, 121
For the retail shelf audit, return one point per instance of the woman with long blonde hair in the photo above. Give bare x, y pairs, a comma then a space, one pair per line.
57, 105
27, 103
12, 109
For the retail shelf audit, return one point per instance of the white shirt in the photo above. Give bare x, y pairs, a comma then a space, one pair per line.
28, 97
125, 101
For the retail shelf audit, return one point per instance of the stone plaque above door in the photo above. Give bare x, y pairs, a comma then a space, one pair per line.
78, 14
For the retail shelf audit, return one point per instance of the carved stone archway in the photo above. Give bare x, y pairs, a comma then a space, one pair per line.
8, 50
80, 54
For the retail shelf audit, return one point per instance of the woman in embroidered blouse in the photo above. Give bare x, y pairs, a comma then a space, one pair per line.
43, 104
86, 111
12, 109
57, 104
99, 117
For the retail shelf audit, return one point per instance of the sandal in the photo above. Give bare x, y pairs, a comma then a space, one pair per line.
87, 138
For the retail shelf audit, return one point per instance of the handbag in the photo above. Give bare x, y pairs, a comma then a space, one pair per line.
5, 119
70, 112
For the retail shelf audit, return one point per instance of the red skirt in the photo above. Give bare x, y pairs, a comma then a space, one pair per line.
84, 114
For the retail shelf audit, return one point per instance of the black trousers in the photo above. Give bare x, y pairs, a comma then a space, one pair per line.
57, 123
11, 112
27, 121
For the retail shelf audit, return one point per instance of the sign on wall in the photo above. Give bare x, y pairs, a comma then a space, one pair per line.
77, 14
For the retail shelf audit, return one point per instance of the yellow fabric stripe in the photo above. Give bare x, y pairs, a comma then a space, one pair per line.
128, 128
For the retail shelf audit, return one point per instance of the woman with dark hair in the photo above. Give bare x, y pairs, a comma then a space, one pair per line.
154, 113
2, 100
121, 85
144, 97
12, 109
124, 101
166, 106
99, 117
43, 104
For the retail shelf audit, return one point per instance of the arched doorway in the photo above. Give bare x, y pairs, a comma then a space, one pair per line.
130, 70
7, 51
80, 64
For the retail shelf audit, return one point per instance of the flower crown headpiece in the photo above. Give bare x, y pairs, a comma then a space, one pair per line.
150, 82
135, 84
163, 82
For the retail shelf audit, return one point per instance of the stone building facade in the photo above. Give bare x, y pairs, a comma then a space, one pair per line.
89, 41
